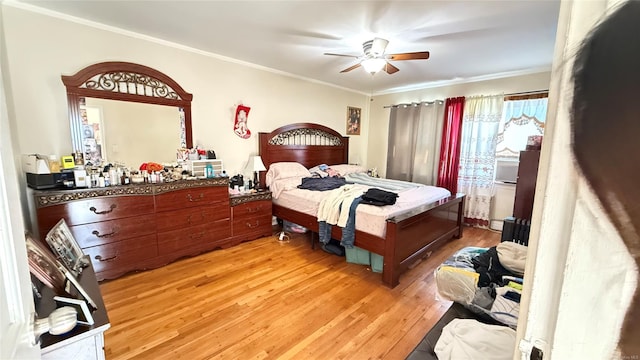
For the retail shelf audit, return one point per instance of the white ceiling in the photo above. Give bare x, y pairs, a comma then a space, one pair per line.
466, 39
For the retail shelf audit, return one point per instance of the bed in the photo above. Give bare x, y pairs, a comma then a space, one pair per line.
407, 236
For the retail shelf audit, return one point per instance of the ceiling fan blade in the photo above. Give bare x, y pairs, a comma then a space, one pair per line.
390, 69
421, 55
345, 55
378, 46
351, 68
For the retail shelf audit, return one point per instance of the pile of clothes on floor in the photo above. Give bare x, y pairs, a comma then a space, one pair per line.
488, 282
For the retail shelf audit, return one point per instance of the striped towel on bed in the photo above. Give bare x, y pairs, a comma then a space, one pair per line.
384, 184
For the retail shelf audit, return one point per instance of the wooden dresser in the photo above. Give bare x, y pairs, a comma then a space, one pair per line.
251, 216
526, 184
137, 227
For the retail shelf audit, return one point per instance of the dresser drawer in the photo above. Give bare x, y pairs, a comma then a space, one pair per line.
186, 218
94, 210
123, 256
198, 196
244, 226
252, 209
110, 231
199, 237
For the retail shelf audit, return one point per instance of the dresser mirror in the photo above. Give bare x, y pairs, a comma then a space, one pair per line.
127, 113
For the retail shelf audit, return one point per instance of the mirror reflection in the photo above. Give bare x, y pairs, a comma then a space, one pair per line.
127, 114
130, 133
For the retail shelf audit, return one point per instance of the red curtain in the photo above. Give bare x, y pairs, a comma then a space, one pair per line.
450, 148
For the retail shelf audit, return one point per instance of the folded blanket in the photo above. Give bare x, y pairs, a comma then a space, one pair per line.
470, 339
385, 184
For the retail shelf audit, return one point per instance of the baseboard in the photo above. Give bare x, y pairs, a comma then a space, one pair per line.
496, 225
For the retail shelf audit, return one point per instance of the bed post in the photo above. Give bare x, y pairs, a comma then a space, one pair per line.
460, 216
390, 271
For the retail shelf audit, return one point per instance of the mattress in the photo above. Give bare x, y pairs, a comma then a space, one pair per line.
369, 218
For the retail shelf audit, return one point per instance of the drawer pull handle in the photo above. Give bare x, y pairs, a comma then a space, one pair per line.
95, 211
200, 197
254, 210
100, 258
252, 226
190, 216
97, 233
197, 236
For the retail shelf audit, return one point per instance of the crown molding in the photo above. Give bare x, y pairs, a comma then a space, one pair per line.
97, 25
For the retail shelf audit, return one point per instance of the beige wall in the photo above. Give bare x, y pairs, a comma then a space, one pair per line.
379, 116
42, 48
36, 59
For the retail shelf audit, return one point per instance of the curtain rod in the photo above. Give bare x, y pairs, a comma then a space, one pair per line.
528, 92
414, 104
533, 92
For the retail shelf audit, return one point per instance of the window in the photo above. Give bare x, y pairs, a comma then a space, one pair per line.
520, 119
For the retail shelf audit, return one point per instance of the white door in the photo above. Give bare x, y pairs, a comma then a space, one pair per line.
579, 277
16, 299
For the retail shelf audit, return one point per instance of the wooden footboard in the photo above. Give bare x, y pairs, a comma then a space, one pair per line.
409, 235
412, 234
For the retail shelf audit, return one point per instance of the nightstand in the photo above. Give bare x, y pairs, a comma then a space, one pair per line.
250, 216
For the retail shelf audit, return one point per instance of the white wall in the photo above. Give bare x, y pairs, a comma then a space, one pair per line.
379, 116
41, 48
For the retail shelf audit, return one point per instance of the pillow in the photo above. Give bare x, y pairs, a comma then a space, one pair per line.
280, 185
319, 170
283, 170
346, 169
512, 256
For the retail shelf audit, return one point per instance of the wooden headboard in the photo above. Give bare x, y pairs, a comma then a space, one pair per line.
306, 143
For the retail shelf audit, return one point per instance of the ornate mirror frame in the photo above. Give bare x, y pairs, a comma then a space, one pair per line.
124, 81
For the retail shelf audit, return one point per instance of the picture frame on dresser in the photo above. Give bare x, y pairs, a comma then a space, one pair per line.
44, 266
62, 242
83, 312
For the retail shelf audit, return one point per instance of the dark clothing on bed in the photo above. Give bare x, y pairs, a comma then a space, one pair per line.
379, 197
489, 268
322, 184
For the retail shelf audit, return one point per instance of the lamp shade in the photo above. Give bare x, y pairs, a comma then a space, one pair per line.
256, 164
373, 65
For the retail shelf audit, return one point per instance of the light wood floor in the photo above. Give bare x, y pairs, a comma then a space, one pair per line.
272, 299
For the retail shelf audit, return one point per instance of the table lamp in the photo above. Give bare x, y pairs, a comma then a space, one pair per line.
256, 165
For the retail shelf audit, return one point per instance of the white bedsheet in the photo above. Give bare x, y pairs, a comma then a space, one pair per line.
369, 218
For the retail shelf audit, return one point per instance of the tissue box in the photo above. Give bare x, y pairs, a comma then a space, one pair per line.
32, 164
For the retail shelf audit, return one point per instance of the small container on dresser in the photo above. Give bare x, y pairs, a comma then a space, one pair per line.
251, 215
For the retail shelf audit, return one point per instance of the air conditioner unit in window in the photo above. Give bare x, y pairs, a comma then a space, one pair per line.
507, 170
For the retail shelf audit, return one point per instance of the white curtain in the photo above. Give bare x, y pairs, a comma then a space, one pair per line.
520, 119
415, 132
477, 155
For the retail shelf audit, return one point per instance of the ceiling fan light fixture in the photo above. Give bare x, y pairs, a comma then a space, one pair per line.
374, 65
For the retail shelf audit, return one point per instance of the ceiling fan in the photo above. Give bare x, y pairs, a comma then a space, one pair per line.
374, 58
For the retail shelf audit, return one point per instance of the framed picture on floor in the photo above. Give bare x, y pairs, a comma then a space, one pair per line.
353, 120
